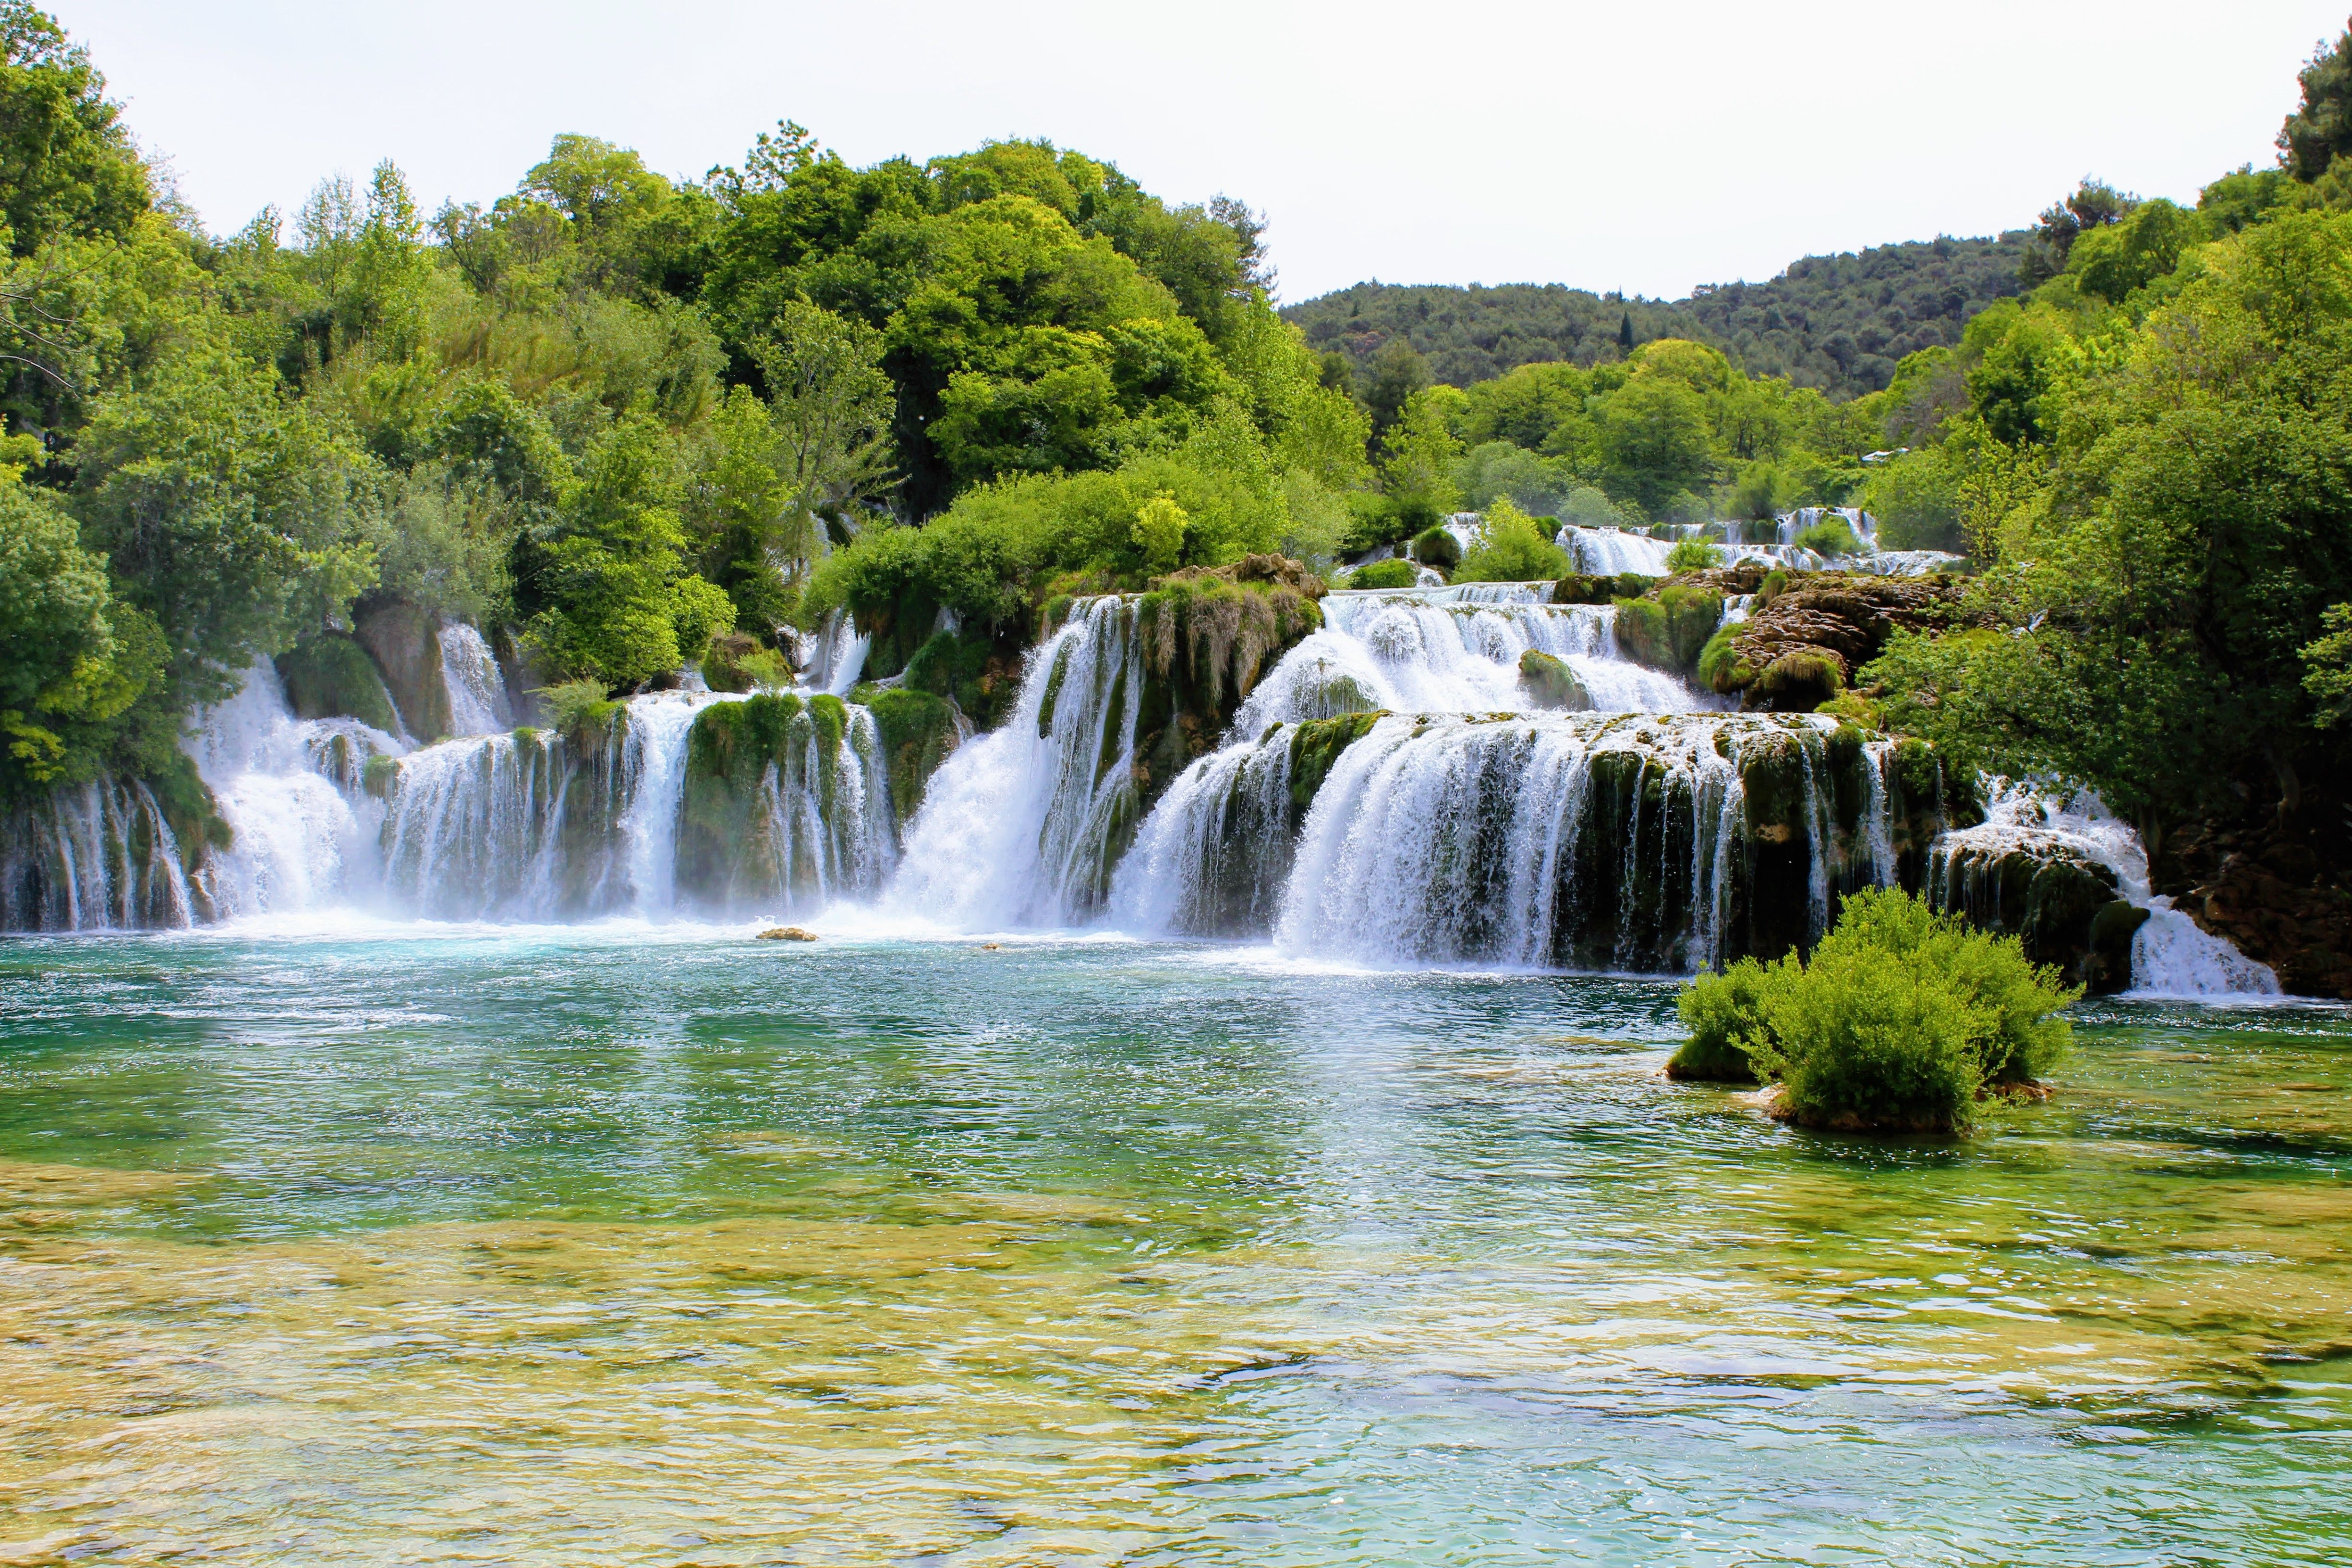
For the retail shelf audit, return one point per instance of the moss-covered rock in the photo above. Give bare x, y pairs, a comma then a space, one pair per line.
405, 641
1549, 682
1805, 635
918, 732
2062, 905
736, 661
1315, 748
1577, 589
1668, 628
767, 808
1207, 641
329, 675
1437, 547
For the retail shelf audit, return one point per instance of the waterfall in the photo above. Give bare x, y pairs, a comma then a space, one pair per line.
818, 827
292, 792
478, 689
837, 656
1453, 650
100, 855
1556, 840
1606, 552
1021, 825
2172, 956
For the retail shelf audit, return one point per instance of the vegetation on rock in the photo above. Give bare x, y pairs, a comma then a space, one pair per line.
1898, 1021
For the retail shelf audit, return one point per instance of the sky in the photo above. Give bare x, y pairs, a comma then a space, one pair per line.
1647, 147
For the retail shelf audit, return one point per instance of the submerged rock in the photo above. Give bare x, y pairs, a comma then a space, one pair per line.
788, 933
1549, 683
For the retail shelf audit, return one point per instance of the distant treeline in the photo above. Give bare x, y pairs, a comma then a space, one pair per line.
1839, 323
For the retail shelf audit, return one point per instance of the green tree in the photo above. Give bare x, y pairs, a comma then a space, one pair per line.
63, 667
1655, 441
1512, 548
1396, 375
615, 601
68, 166
2321, 126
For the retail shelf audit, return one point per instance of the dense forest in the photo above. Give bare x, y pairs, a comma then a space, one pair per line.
627, 423
1838, 323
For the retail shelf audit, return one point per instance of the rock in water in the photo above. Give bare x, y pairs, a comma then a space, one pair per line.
788, 933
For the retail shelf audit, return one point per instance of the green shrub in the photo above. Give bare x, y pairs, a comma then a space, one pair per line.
1514, 549
1393, 573
1437, 547
1669, 631
737, 662
577, 710
1724, 1013
1830, 536
1898, 1022
1690, 555
1718, 662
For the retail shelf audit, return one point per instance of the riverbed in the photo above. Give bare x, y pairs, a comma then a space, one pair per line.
655, 1243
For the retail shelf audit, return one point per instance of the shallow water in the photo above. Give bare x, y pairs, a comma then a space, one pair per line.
664, 1245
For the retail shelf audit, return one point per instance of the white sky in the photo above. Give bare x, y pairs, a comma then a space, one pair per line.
1643, 147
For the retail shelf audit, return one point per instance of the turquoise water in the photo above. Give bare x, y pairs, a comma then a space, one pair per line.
665, 1246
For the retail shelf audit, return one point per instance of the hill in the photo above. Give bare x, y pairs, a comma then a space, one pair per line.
1838, 322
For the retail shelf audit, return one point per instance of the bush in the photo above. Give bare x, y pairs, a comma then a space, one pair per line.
1690, 555
578, 710
1514, 549
1393, 573
1898, 1022
1437, 547
737, 662
1830, 536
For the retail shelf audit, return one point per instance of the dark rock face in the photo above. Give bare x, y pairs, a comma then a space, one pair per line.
1801, 646
328, 675
404, 642
2061, 905
2277, 890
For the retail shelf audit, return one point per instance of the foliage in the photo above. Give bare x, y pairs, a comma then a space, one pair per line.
67, 165
1512, 547
1690, 555
2329, 679
577, 708
1897, 1021
613, 599
1830, 536
1437, 547
1391, 572
1840, 323
2320, 130
1916, 499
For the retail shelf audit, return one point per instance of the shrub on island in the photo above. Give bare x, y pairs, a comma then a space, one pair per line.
1899, 1021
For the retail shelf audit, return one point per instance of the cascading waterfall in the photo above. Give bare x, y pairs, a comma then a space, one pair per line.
1607, 551
1453, 650
1555, 840
1017, 827
292, 793
478, 689
2170, 955
99, 857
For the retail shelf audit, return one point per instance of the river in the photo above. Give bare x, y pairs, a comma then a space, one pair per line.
364, 1242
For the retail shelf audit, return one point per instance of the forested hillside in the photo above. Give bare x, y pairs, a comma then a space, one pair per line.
1840, 323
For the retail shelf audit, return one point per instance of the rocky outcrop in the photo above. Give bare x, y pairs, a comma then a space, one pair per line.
1549, 682
1799, 647
2277, 890
329, 675
918, 731
2064, 908
1668, 628
403, 641
783, 799
1207, 639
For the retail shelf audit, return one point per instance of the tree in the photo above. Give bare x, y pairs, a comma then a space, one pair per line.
2321, 127
68, 166
1512, 548
618, 605
829, 403
2095, 205
63, 667
1396, 373
1655, 441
